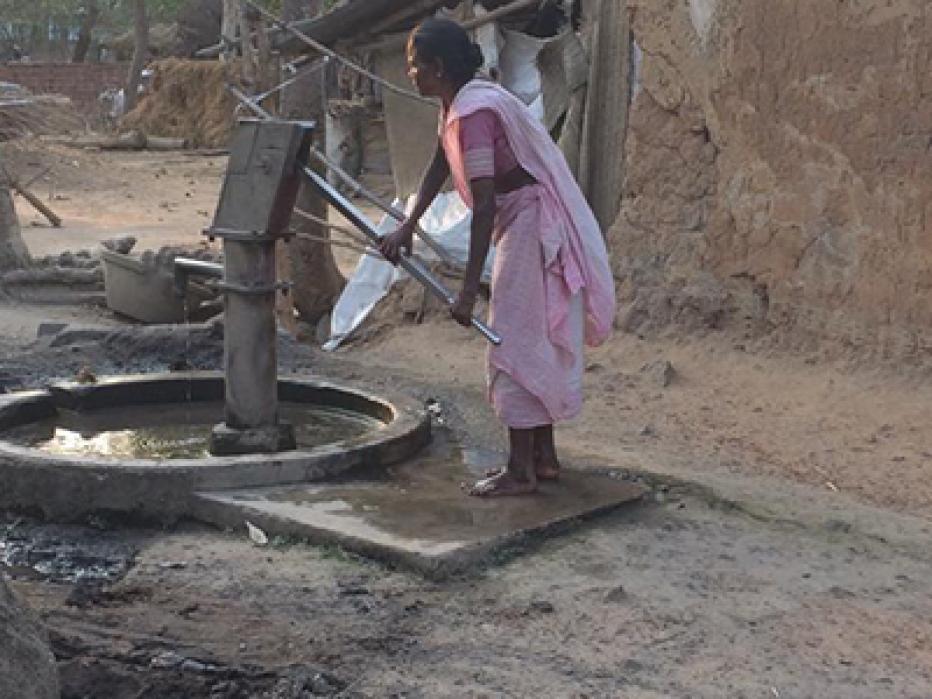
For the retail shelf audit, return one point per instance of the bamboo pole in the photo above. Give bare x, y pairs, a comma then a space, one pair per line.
37, 203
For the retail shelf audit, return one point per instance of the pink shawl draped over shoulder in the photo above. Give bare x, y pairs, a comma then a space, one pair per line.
578, 243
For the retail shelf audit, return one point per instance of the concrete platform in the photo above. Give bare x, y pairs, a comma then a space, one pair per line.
416, 515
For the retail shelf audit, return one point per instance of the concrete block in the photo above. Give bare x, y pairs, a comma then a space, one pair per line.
50, 328
144, 292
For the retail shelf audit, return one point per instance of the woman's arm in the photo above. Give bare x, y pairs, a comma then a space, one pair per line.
434, 177
436, 174
483, 220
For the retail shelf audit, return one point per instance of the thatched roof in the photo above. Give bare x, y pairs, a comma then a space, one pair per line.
361, 18
361, 21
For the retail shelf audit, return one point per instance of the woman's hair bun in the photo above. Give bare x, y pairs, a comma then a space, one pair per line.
446, 41
476, 59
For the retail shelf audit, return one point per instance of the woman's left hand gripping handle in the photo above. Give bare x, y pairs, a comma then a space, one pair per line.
392, 245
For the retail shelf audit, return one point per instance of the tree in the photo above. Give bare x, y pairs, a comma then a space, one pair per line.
13, 252
231, 28
90, 13
140, 52
317, 279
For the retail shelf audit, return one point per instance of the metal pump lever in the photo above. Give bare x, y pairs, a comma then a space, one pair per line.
408, 264
358, 219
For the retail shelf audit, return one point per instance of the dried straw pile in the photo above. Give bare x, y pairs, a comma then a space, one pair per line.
22, 114
188, 100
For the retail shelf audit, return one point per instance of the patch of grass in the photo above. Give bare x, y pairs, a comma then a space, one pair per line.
334, 552
283, 541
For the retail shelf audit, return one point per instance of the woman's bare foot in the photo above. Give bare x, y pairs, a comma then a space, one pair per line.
518, 478
502, 483
546, 464
544, 470
547, 469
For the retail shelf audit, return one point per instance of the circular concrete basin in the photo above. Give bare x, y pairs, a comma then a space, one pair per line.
363, 429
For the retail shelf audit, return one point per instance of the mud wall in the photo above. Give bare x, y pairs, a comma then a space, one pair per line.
778, 164
82, 82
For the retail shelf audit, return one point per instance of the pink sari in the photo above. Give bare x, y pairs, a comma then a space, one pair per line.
552, 285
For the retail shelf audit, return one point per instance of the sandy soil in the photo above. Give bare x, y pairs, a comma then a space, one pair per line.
783, 553
860, 433
160, 199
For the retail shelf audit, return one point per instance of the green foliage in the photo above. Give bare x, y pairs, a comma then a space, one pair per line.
32, 21
115, 12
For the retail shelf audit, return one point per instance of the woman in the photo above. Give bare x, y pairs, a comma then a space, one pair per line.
551, 283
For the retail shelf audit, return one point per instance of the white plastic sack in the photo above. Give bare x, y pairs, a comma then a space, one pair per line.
518, 63
370, 282
490, 40
447, 221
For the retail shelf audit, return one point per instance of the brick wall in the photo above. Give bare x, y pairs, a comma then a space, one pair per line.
82, 82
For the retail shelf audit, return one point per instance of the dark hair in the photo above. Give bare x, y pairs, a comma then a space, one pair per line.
447, 41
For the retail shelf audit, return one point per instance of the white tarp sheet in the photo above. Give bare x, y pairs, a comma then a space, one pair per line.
371, 280
447, 221
520, 72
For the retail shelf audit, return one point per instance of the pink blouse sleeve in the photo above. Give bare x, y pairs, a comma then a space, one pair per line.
477, 138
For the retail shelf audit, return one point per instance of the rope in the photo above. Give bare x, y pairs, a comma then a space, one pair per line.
337, 243
360, 244
281, 86
355, 236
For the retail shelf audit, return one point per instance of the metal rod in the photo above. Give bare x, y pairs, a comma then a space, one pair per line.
396, 214
408, 264
247, 101
185, 267
278, 88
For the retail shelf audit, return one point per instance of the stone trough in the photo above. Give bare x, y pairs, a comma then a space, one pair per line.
67, 486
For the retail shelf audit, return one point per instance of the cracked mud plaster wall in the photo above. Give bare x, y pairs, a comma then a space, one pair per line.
778, 169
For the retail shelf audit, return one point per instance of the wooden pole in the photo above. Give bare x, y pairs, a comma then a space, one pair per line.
37, 203
229, 29
605, 125
140, 53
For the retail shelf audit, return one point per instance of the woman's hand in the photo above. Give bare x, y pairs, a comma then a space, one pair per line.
392, 245
462, 308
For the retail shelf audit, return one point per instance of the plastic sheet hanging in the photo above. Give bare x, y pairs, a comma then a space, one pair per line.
447, 220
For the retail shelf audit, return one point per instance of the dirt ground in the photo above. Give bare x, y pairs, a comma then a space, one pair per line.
783, 550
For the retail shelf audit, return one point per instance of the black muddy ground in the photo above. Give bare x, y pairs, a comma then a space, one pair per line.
679, 597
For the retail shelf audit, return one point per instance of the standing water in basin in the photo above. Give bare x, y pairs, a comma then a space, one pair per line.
173, 432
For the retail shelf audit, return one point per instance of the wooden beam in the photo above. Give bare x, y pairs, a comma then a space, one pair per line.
37, 203
605, 126
415, 9
394, 42
340, 23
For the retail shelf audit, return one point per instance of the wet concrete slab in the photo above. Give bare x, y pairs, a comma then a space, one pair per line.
416, 514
